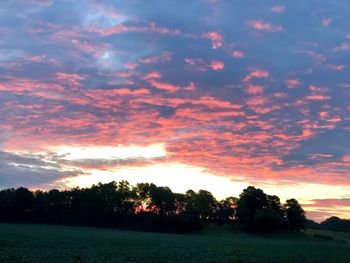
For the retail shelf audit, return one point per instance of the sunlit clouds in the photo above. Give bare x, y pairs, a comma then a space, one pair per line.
109, 153
215, 95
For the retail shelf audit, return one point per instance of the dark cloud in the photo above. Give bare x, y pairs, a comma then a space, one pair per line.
30, 171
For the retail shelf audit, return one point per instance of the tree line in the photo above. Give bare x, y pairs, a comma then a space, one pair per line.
332, 223
148, 207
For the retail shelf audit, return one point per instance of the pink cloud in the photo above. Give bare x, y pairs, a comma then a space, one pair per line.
163, 57
238, 54
335, 119
263, 26
131, 66
315, 56
257, 101
71, 79
292, 83
216, 39
44, 59
95, 49
152, 75
259, 73
280, 95
342, 47
336, 67
254, 89
316, 156
331, 202
318, 89
212, 102
136, 92
109, 11
256, 73
323, 114
317, 97
346, 159
217, 65
326, 21
171, 87
261, 105
196, 64
317, 93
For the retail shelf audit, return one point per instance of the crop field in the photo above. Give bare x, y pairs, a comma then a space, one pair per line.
45, 243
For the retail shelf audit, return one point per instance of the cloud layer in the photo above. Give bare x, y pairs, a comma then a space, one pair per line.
262, 92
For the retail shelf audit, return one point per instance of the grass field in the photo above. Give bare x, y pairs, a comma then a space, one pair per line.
43, 243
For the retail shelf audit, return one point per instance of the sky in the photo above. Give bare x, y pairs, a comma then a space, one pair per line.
203, 94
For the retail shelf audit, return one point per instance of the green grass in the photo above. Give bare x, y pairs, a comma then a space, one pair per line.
43, 243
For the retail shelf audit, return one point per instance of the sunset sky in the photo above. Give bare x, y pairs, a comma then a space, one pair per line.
202, 94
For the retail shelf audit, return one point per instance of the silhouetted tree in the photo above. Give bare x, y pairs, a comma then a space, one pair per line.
295, 215
274, 202
250, 201
162, 200
226, 210
148, 207
201, 204
7, 208
336, 223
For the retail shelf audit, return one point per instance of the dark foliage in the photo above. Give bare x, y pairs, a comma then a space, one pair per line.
295, 215
147, 207
251, 200
336, 223
312, 224
259, 212
268, 220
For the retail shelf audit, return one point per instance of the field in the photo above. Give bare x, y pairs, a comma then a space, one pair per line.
43, 243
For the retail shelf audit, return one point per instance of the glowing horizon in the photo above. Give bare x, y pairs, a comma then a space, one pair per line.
218, 98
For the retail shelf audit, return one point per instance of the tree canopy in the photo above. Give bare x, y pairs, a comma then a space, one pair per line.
149, 207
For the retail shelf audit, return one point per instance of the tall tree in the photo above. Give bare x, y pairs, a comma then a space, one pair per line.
295, 215
250, 201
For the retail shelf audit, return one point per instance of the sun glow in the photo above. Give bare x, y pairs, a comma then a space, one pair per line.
179, 177
110, 153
